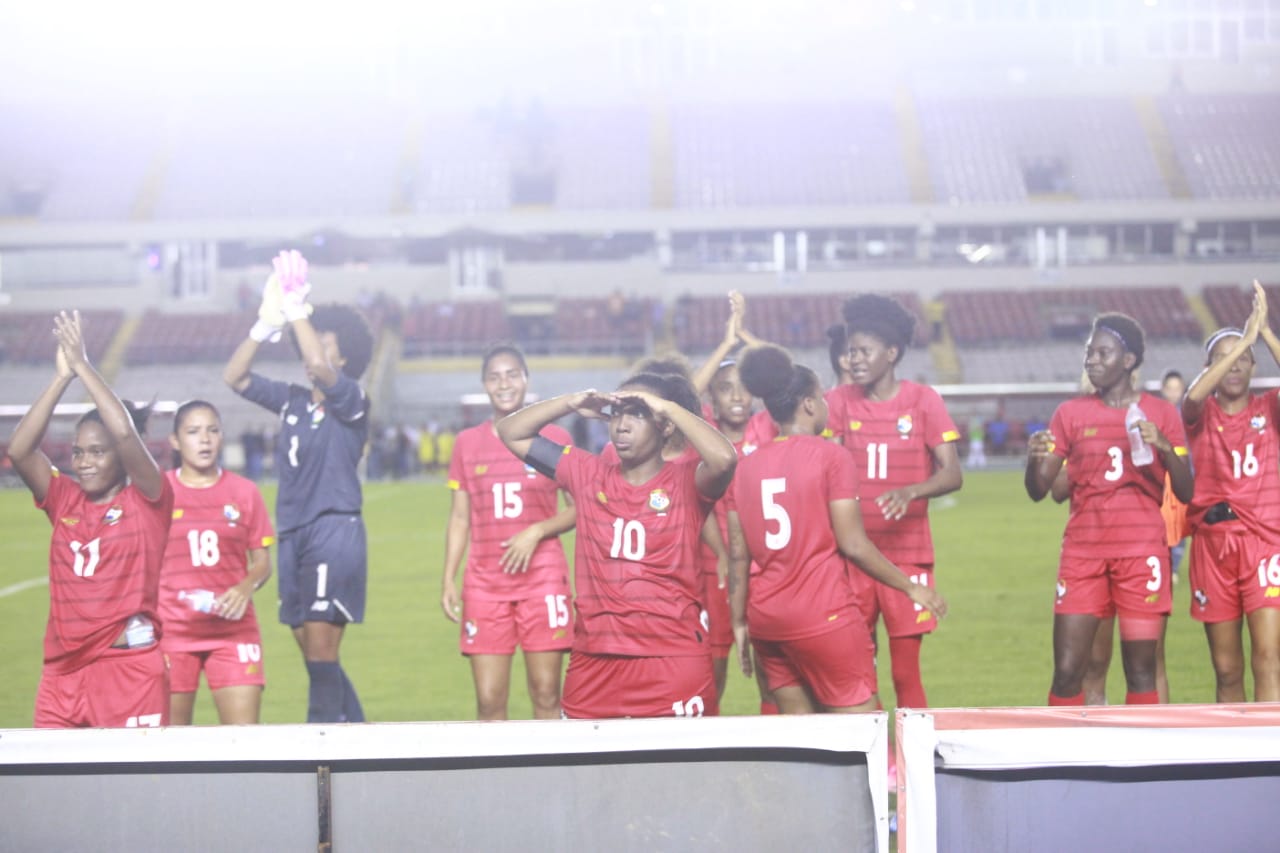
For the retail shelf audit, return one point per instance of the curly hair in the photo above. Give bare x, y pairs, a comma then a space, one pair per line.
769, 373
669, 386
880, 317
355, 340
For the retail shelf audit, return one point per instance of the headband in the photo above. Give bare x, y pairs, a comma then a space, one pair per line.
1119, 337
1219, 335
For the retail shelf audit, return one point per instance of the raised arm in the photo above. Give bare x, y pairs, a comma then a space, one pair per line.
702, 377
718, 456
518, 429
267, 327
291, 271
28, 459
1203, 386
138, 464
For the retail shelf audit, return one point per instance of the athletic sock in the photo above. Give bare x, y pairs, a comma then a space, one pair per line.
768, 709
904, 659
1147, 697
352, 711
325, 698
1055, 701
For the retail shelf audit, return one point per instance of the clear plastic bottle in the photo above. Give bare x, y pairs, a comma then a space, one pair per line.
1139, 451
200, 600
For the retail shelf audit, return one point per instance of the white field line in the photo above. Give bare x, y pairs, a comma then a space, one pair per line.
16, 588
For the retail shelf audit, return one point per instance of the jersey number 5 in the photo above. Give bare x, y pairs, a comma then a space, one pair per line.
773, 511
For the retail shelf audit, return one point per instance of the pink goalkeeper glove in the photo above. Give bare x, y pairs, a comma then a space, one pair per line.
291, 271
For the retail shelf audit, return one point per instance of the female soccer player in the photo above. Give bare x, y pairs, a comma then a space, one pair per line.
795, 517
904, 444
216, 559
640, 647
1114, 554
729, 410
102, 663
323, 430
1235, 515
516, 589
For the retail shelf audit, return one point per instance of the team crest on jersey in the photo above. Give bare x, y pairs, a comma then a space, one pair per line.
231, 513
904, 424
855, 425
659, 500
317, 415
114, 514
1258, 421
529, 469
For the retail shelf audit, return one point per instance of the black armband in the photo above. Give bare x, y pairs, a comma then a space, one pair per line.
544, 455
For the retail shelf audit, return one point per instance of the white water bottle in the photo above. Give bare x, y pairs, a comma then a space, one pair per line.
200, 600
1139, 451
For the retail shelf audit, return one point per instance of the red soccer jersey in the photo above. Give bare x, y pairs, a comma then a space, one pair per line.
782, 492
1115, 505
892, 445
1235, 457
104, 566
506, 497
638, 589
212, 532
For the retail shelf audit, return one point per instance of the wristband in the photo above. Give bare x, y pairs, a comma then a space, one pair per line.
295, 310
263, 331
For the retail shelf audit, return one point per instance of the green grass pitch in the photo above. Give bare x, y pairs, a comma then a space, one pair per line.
996, 557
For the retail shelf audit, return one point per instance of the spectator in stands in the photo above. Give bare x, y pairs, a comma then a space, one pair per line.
444, 444
904, 442
1235, 513
427, 448
640, 648
506, 520
794, 522
217, 558
323, 556
1111, 487
102, 664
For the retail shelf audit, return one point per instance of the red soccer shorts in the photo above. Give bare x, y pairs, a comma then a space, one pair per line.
542, 623
229, 664
125, 688
902, 616
1137, 586
1233, 573
838, 667
607, 686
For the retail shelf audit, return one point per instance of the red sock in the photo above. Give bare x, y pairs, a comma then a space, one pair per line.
904, 658
768, 709
1056, 701
1148, 697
